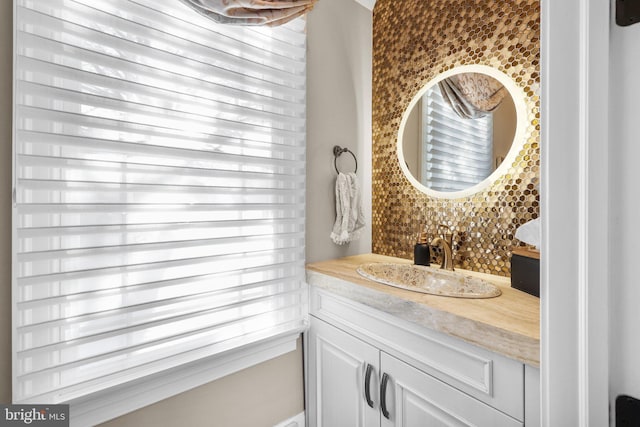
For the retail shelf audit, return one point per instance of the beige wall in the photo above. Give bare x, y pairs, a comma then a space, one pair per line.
261, 396
338, 113
412, 141
504, 128
6, 48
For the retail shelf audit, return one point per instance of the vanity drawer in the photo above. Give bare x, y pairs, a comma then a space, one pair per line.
487, 376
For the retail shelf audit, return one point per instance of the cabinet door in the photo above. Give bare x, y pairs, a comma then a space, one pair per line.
411, 398
337, 375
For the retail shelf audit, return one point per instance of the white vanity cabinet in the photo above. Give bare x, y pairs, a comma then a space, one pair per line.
365, 368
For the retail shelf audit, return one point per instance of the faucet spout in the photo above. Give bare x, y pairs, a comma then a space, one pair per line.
447, 253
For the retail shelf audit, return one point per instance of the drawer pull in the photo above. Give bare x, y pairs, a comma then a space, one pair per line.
367, 385
383, 395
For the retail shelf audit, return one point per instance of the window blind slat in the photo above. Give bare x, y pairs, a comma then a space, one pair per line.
444, 155
281, 115
70, 192
461, 169
49, 98
255, 157
439, 117
46, 286
51, 262
182, 321
451, 151
142, 304
160, 188
48, 215
43, 168
452, 135
40, 120
77, 285
43, 54
56, 238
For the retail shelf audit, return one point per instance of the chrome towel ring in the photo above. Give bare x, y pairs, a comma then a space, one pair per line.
337, 151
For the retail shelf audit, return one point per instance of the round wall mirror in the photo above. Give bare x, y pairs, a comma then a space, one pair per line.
462, 131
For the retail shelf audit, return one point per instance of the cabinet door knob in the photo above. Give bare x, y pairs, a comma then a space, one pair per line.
367, 385
383, 395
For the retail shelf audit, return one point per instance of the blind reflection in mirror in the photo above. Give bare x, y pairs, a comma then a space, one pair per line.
448, 152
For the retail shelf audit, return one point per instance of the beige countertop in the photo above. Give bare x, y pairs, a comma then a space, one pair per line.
508, 324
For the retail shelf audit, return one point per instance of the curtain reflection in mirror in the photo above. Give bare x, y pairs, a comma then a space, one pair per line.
472, 95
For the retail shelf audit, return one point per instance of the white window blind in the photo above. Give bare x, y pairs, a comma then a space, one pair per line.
457, 152
159, 191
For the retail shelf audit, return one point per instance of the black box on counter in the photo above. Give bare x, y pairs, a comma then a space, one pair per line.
525, 270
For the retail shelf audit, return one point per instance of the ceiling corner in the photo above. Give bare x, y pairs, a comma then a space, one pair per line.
367, 3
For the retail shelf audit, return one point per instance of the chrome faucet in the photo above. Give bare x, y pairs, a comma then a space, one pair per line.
445, 240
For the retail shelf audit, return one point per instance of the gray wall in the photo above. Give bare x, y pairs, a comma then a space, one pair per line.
338, 113
624, 212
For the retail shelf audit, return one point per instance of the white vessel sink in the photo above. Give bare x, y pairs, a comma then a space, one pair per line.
429, 280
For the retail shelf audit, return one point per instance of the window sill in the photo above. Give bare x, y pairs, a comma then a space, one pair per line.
106, 405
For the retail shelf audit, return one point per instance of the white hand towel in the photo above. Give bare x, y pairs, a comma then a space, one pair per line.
529, 233
349, 212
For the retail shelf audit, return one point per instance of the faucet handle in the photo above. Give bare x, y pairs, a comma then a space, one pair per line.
447, 230
447, 234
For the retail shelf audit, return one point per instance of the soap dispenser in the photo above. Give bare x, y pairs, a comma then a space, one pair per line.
421, 251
